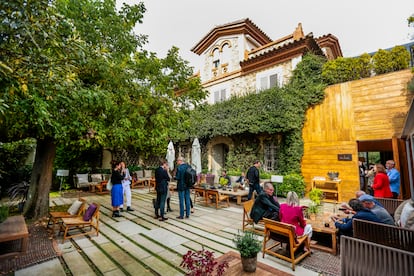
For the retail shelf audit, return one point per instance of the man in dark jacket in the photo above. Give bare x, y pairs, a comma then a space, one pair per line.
253, 177
183, 190
161, 179
345, 225
265, 206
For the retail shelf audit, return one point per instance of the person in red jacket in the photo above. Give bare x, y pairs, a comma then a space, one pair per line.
381, 183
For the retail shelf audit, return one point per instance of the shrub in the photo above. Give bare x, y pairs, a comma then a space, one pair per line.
292, 182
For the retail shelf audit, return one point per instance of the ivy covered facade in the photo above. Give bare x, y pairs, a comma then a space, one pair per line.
259, 90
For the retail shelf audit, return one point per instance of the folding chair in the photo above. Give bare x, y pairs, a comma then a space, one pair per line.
248, 222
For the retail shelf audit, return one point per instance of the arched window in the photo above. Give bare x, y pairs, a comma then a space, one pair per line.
216, 58
225, 53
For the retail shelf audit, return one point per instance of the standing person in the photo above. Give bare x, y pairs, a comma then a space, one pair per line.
126, 188
394, 177
291, 212
253, 176
161, 178
183, 190
168, 200
361, 176
265, 205
117, 197
381, 183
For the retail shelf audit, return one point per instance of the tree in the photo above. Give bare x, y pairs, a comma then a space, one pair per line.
72, 73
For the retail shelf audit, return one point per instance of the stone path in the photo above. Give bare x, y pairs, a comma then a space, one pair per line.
138, 244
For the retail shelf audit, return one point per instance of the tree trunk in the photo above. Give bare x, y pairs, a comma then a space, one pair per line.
37, 205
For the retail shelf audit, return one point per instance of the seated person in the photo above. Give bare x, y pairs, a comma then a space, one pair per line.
383, 215
291, 212
265, 206
404, 214
241, 179
224, 179
345, 225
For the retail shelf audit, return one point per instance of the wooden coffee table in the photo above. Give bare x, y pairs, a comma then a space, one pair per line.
324, 236
14, 228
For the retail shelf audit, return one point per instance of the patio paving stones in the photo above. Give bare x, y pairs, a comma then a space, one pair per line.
138, 244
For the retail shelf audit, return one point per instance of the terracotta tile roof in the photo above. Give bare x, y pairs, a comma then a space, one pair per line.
281, 53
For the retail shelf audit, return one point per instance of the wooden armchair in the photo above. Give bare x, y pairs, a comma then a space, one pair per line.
248, 223
76, 209
80, 223
276, 233
216, 198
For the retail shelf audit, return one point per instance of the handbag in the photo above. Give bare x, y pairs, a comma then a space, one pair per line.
109, 185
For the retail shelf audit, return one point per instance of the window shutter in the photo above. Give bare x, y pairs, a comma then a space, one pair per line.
216, 96
273, 81
263, 83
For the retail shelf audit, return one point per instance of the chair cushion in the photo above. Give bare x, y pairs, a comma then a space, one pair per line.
140, 174
96, 177
74, 208
82, 178
89, 212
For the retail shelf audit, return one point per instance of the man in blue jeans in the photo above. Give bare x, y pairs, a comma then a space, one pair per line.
394, 177
183, 190
253, 176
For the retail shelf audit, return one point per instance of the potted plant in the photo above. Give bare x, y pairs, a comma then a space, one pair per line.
223, 182
315, 195
203, 263
248, 244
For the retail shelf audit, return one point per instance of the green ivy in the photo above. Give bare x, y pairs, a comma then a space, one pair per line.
273, 111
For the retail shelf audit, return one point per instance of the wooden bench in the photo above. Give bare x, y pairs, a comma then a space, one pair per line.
388, 235
360, 257
390, 204
14, 228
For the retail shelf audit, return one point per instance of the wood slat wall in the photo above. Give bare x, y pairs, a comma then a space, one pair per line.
368, 109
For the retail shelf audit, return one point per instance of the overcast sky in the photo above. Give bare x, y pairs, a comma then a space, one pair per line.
360, 25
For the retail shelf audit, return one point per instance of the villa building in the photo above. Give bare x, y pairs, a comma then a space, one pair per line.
239, 58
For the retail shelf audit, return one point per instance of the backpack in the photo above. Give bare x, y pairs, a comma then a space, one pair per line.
190, 177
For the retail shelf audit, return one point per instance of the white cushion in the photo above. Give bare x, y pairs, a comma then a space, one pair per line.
140, 174
82, 178
147, 173
96, 177
74, 208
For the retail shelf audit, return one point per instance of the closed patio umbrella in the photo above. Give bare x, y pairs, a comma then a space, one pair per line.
170, 155
196, 156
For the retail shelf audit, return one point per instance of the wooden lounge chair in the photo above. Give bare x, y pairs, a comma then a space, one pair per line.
76, 209
248, 223
216, 198
81, 223
276, 233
